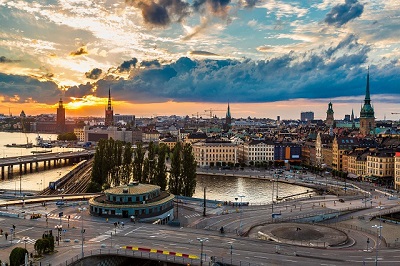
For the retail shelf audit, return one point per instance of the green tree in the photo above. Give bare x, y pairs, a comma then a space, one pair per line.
127, 164
175, 182
138, 161
17, 256
40, 246
188, 171
161, 169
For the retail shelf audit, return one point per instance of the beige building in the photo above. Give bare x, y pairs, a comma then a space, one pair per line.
357, 163
80, 133
149, 136
397, 170
210, 153
341, 145
170, 142
322, 141
380, 165
257, 151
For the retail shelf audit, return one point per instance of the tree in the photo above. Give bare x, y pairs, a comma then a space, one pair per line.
188, 171
175, 182
69, 136
17, 256
161, 169
138, 160
127, 164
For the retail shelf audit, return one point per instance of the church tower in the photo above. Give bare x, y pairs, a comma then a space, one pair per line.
228, 119
329, 116
367, 114
109, 120
60, 123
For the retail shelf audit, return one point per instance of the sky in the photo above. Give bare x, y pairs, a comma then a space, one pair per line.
162, 57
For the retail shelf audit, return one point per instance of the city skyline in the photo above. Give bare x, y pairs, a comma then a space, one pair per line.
266, 58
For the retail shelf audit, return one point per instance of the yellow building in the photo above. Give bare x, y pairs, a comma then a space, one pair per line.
357, 163
170, 142
380, 165
397, 170
340, 145
80, 133
211, 153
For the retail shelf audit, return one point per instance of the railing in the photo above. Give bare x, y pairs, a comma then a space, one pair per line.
152, 256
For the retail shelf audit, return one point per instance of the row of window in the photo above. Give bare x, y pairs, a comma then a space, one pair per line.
136, 212
132, 199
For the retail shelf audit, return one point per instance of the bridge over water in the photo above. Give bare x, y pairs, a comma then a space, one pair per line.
31, 163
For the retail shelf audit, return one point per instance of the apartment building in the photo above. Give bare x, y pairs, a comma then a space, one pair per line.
212, 152
380, 166
257, 151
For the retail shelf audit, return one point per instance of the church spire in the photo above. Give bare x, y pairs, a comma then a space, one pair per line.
109, 107
367, 99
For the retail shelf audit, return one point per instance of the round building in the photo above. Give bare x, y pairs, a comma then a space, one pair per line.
143, 202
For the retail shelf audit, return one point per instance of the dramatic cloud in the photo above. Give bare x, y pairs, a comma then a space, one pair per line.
343, 13
151, 63
21, 89
94, 73
127, 65
216, 7
162, 12
291, 76
81, 51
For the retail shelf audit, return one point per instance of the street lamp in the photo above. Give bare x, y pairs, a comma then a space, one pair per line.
201, 250
231, 248
58, 227
241, 198
25, 239
378, 231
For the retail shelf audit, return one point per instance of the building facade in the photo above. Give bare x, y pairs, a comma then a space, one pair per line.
144, 202
306, 116
257, 151
210, 153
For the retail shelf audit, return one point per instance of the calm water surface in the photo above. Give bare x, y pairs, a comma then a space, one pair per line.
255, 191
222, 188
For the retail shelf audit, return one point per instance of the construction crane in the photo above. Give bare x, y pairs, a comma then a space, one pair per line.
211, 111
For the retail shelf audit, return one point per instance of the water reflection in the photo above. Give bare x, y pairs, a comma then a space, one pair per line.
255, 191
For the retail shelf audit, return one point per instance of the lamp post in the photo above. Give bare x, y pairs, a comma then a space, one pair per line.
201, 249
231, 249
378, 231
58, 227
241, 202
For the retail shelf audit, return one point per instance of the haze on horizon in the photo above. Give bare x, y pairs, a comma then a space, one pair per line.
265, 57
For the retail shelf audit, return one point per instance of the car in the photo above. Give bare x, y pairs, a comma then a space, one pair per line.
60, 203
341, 200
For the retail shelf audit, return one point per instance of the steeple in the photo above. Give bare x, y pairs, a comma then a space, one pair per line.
109, 107
228, 112
367, 100
109, 121
367, 114
228, 119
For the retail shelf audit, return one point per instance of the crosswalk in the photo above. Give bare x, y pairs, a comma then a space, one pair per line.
27, 240
192, 215
64, 218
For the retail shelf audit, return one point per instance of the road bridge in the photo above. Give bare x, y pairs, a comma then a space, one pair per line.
31, 163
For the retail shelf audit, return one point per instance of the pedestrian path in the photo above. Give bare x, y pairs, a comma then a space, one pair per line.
192, 215
64, 218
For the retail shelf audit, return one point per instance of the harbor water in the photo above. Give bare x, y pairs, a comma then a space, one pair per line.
224, 188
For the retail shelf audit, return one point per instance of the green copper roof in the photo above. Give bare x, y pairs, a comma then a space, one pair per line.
367, 111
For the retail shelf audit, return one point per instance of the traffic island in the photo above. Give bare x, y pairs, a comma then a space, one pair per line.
311, 235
